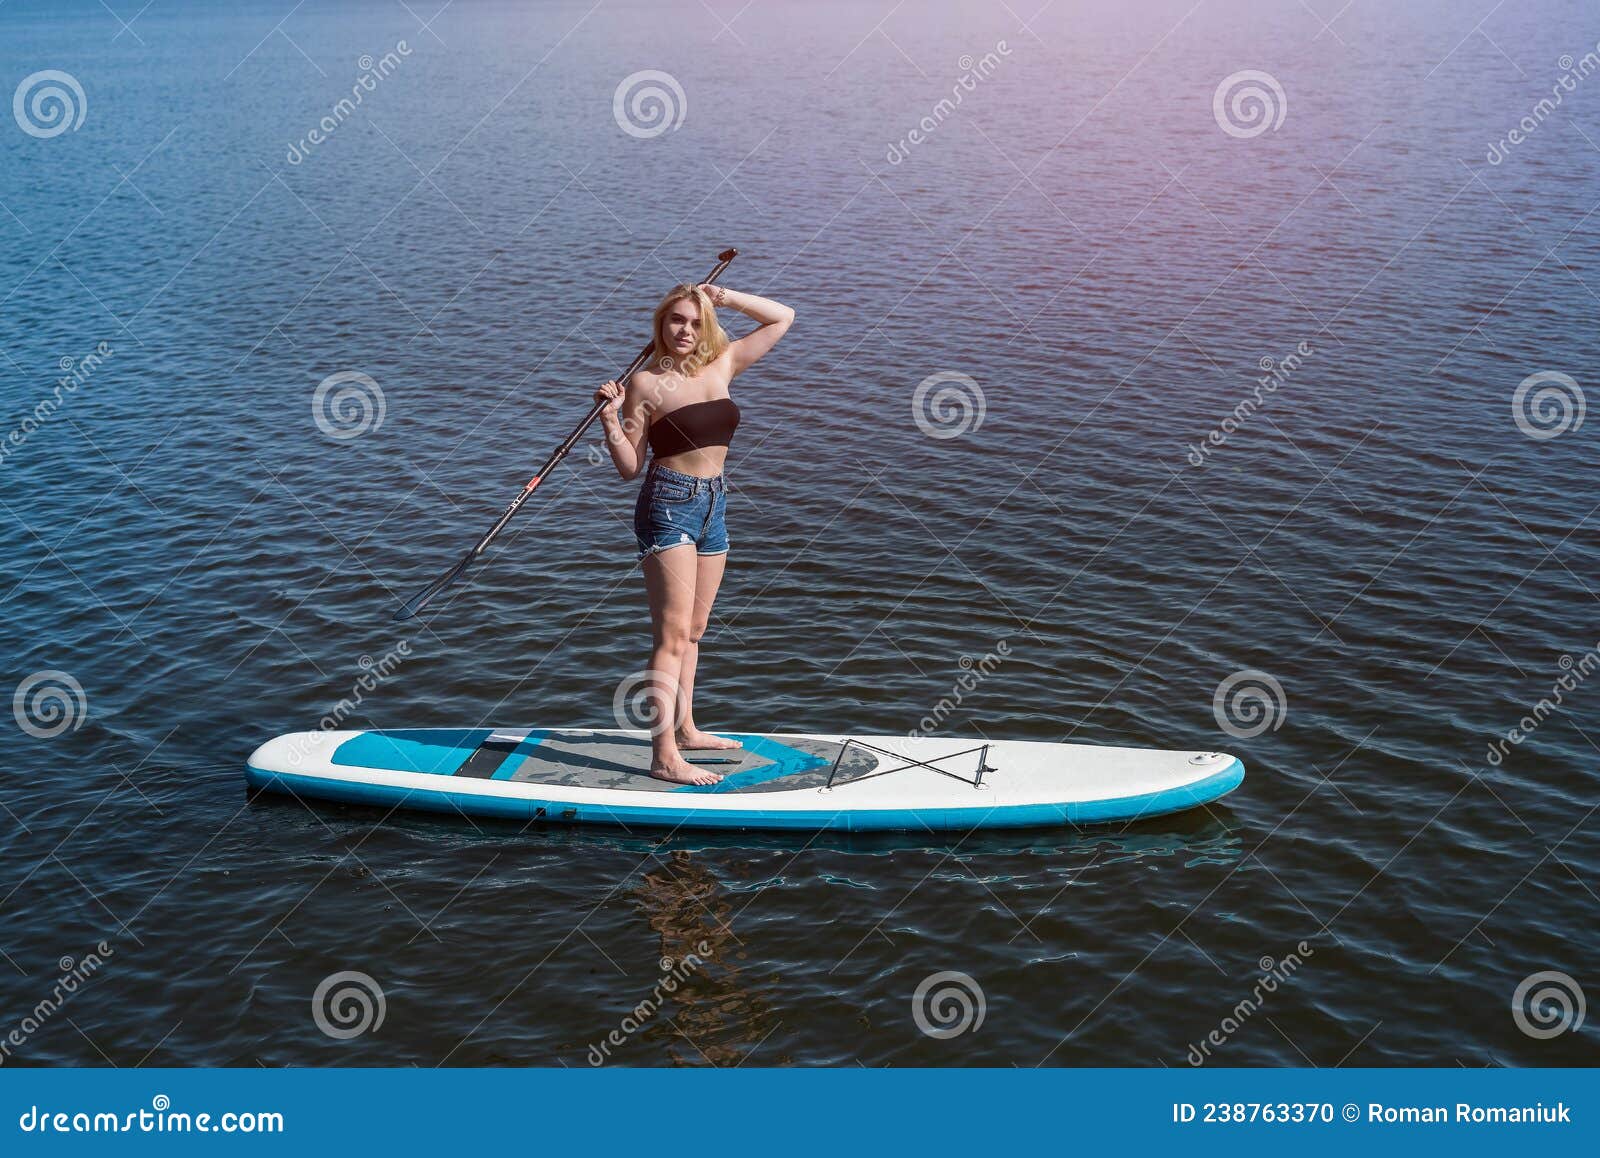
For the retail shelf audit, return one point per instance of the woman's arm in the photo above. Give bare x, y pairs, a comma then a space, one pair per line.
775, 319
626, 425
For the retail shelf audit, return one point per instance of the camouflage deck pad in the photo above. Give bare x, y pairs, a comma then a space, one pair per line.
585, 761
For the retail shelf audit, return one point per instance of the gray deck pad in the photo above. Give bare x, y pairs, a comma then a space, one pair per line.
763, 765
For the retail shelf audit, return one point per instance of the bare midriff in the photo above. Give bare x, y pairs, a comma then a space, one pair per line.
705, 462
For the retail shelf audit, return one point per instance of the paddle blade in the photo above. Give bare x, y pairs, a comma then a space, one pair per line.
422, 598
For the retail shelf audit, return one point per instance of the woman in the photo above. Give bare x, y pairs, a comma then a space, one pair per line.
679, 404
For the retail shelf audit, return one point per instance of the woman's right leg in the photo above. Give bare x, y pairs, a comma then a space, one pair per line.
669, 578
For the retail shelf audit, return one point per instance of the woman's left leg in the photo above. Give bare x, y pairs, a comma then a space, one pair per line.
708, 577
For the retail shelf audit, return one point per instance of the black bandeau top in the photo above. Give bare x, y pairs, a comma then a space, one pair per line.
693, 427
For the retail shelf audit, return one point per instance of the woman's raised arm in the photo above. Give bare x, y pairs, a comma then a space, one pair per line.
775, 319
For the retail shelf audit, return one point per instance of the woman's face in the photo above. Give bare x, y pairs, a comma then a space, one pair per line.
680, 329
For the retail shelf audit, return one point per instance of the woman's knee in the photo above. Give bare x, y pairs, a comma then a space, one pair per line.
674, 635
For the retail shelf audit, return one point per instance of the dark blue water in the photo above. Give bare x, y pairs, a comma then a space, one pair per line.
1386, 530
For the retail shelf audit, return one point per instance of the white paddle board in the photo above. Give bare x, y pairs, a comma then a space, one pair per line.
807, 782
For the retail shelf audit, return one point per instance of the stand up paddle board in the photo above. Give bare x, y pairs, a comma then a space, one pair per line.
807, 782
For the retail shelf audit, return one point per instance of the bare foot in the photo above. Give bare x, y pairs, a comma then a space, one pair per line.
695, 738
682, 772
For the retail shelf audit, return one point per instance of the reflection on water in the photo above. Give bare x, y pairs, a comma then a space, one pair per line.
715, 1017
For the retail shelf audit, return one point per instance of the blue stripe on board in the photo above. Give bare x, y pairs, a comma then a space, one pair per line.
512, 762
786, 761
439, 751
847, 819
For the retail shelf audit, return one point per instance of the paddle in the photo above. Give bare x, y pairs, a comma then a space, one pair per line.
420, 600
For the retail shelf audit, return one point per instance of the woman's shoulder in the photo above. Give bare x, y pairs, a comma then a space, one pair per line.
645, 384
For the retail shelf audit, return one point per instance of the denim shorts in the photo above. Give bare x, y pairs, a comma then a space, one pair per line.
676, 508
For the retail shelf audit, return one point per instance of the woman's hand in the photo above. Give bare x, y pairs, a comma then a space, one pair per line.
613, 392
715, 292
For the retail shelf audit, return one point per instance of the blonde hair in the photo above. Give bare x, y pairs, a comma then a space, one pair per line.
713, 340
